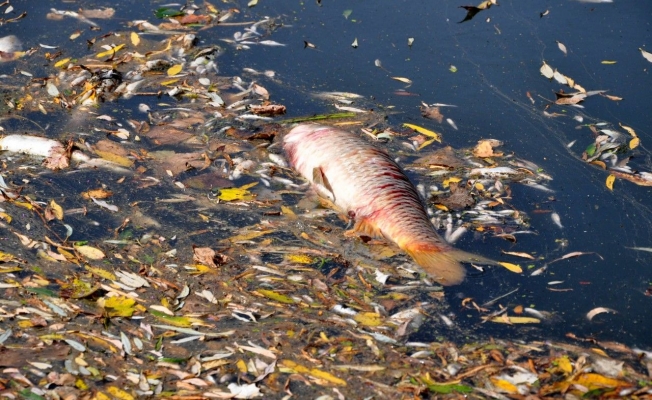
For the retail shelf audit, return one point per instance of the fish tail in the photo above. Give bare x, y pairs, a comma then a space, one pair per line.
443, 263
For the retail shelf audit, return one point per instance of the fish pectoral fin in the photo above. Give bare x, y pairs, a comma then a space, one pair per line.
323, 185
364, 226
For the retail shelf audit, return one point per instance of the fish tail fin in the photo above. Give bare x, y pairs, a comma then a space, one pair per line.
445, 264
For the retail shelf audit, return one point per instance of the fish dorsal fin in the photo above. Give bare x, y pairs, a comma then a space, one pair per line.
323, 185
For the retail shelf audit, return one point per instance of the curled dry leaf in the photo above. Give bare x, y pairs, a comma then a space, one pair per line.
485, 148
599, 310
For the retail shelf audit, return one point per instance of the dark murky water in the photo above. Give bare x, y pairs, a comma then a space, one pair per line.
497, 55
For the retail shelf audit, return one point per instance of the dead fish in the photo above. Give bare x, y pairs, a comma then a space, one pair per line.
365, 183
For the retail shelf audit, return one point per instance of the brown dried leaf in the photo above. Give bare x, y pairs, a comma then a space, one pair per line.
431, 113
269, 109
484, 148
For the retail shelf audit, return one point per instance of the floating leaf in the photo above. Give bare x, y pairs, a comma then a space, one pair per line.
402, 79
594, 381
299, 259
90, 252
610, 180
183, 322
175, 69
101, 273
562, 47
515, 320
504, 386
135, 38
598, 310
517, 254
355, 43
424, 131
608, 62
512, 267
110, 52
547, 71
290, 366
62, 62
56, 210
281, 298
646, 55
252, 3
238, 194
118, 306
119, 393
634, 143
368, 319
347, 13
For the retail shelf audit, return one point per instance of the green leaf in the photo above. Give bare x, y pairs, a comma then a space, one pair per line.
165, 12
590, 150
281, 298
43, 292
446, 389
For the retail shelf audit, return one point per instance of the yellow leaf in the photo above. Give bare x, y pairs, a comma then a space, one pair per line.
299, 259
101, 396
236, 194
56, 209
61, 63
426, 143
242, 366
596, 381
424, 131
118, 306
479, 186
6, 257
175, 69
441, 207
610, 182
135, 39
23, 204
182, 322
281, 298
634, 143
368, 319
512, 267
504, 386
564, 364
608, 62
600, 352
515, 320
119, 393
80, 384
630, 130
170, 82
110, 52
287, 211
450, 180
201, 269
6, 217
102, 273
289, 366
90, 252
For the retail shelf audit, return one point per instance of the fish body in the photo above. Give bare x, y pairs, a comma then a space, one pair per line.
363, 182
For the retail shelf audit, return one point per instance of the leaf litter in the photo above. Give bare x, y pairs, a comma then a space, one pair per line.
155, 306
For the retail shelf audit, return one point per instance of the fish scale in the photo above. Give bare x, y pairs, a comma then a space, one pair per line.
365, 183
